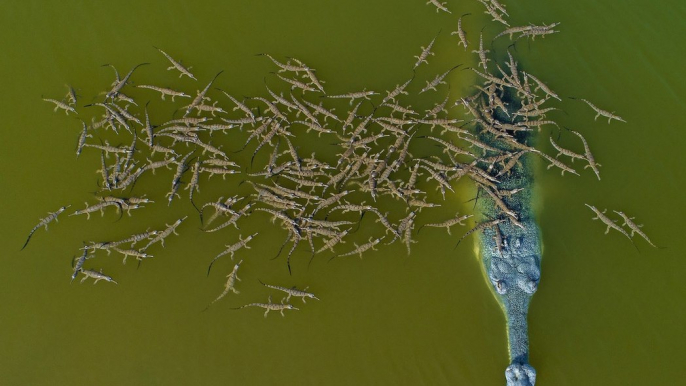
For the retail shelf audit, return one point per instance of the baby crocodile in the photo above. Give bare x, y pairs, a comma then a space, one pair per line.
44, 222
269, 306
230, 285
95, 275
292, 292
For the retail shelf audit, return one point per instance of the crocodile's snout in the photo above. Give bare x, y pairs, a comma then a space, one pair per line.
520, 375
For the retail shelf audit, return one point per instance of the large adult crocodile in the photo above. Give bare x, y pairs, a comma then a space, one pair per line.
511, 258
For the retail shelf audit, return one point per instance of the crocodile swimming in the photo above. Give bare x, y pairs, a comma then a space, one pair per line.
511, 260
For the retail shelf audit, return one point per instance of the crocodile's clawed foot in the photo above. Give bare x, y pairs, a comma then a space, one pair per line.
520, 375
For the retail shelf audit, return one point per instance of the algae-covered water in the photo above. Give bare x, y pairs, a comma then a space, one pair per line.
604, 314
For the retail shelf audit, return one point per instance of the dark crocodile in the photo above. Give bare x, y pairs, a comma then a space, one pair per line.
513, 268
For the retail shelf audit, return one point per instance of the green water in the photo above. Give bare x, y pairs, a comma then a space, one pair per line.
604, 314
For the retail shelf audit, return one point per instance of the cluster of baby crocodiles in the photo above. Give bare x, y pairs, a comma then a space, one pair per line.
632, 227
375, 151
381, 142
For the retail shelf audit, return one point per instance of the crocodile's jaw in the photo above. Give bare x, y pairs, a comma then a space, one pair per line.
513, 273
520, 375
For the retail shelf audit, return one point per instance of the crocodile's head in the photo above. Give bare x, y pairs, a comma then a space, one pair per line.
520, 375
527, 284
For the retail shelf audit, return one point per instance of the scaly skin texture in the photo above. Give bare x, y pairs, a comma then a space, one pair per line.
514, 268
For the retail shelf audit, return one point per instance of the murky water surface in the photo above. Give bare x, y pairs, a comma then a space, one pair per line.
605, 313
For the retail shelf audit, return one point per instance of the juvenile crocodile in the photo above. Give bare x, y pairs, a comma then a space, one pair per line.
269, 306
